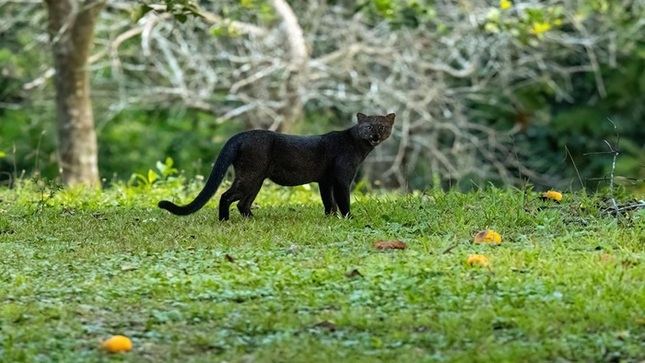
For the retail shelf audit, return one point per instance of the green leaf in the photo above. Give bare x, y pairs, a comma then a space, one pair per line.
534, 15
169, 162
181, 18
161, 167
152, 176
166, 168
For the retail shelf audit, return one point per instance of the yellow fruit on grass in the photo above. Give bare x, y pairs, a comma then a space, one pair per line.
553, 195
488, 236
117, 344
477, 260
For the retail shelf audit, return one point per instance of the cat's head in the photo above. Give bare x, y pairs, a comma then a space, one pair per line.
374, 129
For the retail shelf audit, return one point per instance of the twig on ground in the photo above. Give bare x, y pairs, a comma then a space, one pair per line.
574, 165
614, 152
615, 210
450, 248
613, 164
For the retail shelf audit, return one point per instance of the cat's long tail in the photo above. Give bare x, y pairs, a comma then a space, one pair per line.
224, 160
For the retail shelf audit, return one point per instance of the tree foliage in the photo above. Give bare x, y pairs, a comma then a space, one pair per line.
504, 91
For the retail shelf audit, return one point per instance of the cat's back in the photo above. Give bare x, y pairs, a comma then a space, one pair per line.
276, 142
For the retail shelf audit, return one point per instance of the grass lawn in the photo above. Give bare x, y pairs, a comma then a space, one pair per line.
565, 285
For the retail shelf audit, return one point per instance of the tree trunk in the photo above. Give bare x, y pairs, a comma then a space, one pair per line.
292, 112
71, 31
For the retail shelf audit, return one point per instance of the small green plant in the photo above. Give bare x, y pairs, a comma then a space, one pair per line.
167, 170
46, 189
166, 175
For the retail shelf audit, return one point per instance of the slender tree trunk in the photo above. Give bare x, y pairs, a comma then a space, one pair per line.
71, 31
292, 112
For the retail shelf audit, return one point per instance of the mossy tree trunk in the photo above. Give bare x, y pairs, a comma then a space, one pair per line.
71, 31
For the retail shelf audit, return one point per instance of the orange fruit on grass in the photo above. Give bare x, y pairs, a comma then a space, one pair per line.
477, 260
117, 344
488, 236
552, 194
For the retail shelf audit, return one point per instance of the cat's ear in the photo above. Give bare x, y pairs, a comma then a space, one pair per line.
390, 117
361, 117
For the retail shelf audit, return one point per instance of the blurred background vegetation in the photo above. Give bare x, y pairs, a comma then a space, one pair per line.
485, 91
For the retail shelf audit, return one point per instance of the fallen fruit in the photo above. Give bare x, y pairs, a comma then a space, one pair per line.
477, 260
551, 194
390, 245
117, 344
487, 236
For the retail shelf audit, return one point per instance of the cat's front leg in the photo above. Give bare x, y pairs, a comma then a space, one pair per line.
341, 196
327, 196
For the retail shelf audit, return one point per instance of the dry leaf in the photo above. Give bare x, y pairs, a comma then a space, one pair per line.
487, 236
327, 325
390, 245
128, 268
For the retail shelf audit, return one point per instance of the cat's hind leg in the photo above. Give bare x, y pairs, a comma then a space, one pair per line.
244, 205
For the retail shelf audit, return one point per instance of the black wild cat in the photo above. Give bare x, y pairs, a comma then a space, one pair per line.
331, 160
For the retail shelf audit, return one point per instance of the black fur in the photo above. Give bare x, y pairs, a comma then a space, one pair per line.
331, 160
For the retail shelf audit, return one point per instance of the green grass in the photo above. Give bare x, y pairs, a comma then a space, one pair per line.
79, 266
